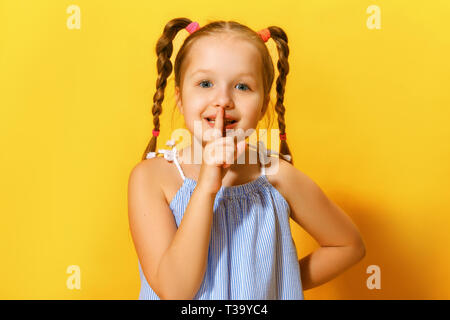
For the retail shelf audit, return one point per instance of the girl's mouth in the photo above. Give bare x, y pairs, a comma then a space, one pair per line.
228, 123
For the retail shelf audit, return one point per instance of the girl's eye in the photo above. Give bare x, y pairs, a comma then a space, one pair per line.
206, 81
245, 86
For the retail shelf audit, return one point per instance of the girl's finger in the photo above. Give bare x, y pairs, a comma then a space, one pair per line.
238, 149
228, 144
218, 124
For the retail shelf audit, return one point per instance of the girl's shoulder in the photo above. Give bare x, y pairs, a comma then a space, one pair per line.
152, 166
161, 172
277, 169
287, 179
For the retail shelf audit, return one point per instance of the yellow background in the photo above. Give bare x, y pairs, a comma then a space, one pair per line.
367, 119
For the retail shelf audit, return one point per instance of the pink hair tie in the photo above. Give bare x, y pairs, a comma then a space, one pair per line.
192, 27
283, 136
155, 133
264, 34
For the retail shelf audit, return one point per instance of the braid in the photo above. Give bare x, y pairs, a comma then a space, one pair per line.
164, 49
281, 40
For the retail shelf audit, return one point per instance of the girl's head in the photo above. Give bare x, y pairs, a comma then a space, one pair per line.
222, 64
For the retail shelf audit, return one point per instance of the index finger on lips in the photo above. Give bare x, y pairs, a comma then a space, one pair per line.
219, 121
215, 132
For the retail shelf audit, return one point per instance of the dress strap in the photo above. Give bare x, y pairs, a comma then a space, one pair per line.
263, 157
175, 159
265, 154
169, 155
263, 170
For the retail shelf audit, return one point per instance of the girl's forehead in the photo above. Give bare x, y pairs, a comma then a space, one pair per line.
230, 46
229, 55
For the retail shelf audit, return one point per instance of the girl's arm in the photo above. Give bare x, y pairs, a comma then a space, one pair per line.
173, 260
341, 244
326, 263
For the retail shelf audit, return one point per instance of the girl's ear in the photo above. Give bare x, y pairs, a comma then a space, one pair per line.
178, 99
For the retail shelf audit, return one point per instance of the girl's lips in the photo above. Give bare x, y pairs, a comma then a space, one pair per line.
229, 126
226, 117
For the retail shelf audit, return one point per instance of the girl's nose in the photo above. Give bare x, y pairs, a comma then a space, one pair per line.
224, 99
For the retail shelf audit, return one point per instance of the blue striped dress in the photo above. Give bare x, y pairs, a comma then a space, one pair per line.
251, 254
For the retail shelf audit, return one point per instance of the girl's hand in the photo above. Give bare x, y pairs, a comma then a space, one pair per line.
218, 155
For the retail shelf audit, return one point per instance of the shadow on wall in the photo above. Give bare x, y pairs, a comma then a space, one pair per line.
401, 266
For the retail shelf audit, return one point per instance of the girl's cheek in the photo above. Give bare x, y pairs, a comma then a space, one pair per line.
196, 101
193, 108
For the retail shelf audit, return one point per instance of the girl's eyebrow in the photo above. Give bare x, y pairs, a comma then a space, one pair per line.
248, 74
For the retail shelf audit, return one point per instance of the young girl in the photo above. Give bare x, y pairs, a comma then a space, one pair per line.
220, 229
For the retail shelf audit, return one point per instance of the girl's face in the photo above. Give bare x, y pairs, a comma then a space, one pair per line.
222, 72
